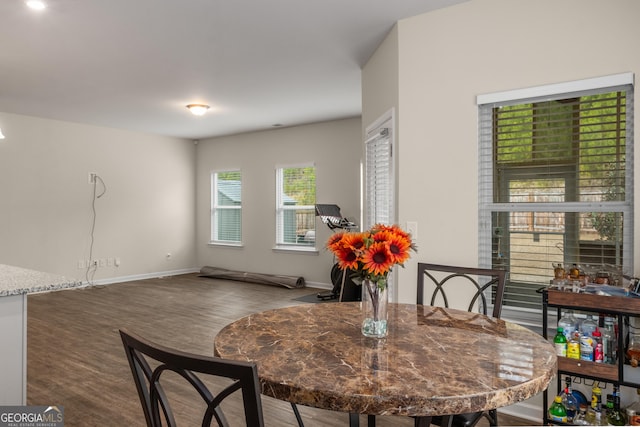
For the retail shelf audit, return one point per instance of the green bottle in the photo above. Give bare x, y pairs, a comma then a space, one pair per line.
557, 411
615, 417
560, 343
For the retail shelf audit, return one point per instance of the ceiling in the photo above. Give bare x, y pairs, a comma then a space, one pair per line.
136, 64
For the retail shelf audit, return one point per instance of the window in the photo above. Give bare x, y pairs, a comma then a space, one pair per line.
295, 204
378, 177
556, 184
226, 207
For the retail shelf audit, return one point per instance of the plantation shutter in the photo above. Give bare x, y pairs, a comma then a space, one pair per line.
556, 185
378, 178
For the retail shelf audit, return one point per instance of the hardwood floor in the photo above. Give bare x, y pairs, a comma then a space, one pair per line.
76, 360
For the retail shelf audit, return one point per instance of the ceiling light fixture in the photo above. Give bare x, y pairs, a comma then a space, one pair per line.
198, 109
36, 4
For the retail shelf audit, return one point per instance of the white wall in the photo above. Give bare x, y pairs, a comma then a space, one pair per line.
334, 147
45, 197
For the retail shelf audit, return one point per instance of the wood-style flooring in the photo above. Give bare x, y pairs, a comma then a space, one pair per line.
75, 357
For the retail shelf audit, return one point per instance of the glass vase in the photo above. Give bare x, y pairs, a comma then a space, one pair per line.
374, 309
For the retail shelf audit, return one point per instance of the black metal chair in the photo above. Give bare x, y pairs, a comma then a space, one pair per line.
155, 403
482, 282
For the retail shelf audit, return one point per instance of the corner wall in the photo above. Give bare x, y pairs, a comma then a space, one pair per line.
47, 216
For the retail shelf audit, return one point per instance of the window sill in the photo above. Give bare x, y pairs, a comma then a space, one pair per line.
309, 250
226, 244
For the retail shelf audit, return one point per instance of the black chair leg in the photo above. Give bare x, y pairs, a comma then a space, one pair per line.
297, 414
493, 415
354, 420
422, 421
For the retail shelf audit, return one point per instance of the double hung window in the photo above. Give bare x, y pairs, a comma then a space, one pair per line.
556, 182
295, 207
226, 207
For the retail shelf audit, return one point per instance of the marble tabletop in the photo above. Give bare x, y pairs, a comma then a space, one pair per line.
434, 361
18, 280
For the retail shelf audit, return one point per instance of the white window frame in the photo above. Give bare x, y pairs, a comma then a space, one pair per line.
524, 316
216, 208
379, 179
379, 141
282, 208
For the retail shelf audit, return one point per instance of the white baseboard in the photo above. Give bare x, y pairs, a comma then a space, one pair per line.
318, 285
143, 276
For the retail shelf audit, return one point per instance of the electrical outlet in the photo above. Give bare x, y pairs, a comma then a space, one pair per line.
116, 261
92, 177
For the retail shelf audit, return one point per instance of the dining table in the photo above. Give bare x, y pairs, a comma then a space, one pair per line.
433, 362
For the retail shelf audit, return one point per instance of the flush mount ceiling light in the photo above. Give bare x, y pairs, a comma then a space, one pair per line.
198, 109
36, 4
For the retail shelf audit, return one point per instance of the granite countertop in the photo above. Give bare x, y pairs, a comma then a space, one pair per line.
433, 362
17, 280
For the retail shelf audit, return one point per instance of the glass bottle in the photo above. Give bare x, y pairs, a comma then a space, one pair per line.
633, 412
560, 343
558, 271
574, 272
580, 418
633, 350
609, 341
568, 323
569, 400
615, 417
557, 411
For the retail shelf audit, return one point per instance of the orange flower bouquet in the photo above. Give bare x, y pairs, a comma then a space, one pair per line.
370, 256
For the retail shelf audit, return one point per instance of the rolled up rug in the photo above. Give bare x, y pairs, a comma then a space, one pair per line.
265, 279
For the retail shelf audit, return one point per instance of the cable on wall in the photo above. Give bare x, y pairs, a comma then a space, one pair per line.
92, 267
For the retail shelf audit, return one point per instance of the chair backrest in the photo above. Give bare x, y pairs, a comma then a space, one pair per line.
152, 395
446, 282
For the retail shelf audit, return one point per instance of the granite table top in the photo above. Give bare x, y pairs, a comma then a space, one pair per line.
434, 361
17, 280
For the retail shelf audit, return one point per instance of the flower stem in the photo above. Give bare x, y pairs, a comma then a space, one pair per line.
374, 294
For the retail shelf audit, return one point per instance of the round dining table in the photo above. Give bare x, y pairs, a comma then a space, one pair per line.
434, 361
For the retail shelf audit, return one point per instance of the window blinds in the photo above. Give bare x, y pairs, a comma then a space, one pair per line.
556, 186
378, 178
227, 207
